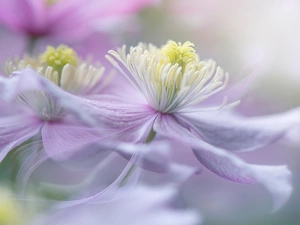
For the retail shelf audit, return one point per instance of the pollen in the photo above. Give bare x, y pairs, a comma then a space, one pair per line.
51, 2
58, 57
182, 54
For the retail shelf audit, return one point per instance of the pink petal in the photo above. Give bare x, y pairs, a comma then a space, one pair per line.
14, 130
276, 179
63, 141
24, 15
233, 132
134, 121
8, 11
128, 178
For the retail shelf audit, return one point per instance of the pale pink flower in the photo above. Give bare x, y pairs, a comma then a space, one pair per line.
63, 19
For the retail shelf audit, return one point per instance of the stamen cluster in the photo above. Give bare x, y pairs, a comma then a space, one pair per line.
58, 57
172, 78
62, 66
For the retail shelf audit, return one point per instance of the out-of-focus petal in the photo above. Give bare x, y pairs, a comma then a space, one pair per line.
7, 14
22, 15
294, 135
68, 20
157, 157
233, 132
14, 130
143, 205
276, 179
29, 80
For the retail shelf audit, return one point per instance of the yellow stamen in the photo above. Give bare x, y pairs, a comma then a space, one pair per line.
179, 56
58, 57
178, 53
62, 66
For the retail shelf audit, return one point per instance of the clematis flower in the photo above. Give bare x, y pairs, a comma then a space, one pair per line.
62, 19
143, 205
169, 86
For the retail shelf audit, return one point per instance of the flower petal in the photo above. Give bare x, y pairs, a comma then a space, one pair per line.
15, 130
126, 180
138, 119
233, 132
275, 179
23, 15
63, 141
134, 121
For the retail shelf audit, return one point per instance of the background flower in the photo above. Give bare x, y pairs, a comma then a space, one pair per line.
84, 25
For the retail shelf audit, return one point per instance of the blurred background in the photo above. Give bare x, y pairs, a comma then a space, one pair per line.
257, 42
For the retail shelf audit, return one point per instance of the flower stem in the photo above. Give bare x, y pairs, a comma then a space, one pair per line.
31, 44
149, 138
128, 174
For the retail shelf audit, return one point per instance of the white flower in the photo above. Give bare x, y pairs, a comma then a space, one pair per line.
171, 78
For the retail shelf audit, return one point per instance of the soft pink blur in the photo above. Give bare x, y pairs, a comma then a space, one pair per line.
64, 19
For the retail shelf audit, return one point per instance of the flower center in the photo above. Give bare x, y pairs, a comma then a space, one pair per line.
64, 68
178, 53
58, 57
171, 78
51, 2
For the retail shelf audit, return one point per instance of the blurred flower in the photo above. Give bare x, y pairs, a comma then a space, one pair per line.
45, 101
63, 19
90, 27
169, 84
143, 205
11, 212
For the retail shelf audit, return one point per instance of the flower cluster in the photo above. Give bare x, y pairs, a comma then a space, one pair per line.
77, 137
